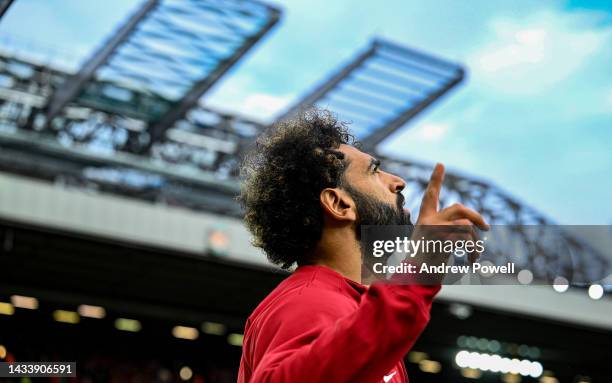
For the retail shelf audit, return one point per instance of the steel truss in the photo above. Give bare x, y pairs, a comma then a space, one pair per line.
4, 6
157, 65
195, 166
553, 251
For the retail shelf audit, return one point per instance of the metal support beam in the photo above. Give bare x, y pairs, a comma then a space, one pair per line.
71, 88
427, 59
191, 98
4, 6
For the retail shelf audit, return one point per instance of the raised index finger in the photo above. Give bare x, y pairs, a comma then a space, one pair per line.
429, 204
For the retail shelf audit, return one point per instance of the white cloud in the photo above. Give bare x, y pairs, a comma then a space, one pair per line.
431, 131
529, 56
257, 106
264, 106
242, 96
527, 48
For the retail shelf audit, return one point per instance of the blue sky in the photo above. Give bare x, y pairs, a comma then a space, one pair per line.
534, 114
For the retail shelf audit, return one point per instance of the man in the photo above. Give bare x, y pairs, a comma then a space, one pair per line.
307, 191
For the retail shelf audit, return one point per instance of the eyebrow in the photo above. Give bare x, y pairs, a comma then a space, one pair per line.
374, 162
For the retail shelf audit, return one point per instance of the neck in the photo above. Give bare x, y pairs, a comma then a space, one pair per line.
339, 250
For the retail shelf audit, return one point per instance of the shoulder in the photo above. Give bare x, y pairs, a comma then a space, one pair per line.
302, 299
312, 295
296, 316
295, 313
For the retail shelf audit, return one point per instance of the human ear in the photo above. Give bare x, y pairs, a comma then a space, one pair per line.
337, 204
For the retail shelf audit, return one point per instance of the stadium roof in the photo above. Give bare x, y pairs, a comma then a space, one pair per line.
382, 88
157, 65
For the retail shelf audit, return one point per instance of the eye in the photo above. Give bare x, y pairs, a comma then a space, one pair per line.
376, 169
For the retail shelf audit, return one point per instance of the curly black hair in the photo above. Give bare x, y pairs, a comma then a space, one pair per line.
283, 176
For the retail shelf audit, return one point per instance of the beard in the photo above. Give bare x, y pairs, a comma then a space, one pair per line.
372, 211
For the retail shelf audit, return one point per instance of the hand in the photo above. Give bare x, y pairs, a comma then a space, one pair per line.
456, 214
458, 219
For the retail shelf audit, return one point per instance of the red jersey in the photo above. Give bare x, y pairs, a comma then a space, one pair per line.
318, 326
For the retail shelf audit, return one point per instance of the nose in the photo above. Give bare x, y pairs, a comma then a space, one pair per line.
396, 184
